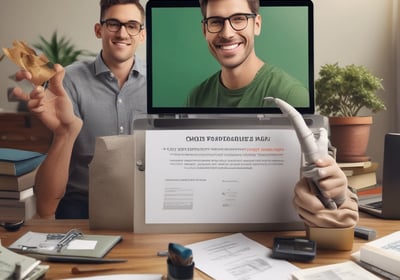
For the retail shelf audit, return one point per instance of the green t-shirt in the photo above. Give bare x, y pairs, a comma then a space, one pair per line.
269, 81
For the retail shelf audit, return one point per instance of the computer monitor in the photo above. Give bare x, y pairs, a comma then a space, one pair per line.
178, 58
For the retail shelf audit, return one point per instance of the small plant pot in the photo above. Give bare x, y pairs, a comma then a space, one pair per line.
350, 136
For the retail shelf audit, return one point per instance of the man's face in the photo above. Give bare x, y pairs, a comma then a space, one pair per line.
119, 46
231, 48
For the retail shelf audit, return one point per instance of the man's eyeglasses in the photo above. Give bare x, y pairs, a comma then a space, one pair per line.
237, 21
132, 27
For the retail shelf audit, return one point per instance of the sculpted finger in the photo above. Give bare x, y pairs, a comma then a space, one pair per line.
306, 199
325, 161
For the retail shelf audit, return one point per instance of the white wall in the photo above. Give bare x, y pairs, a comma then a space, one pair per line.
362, 32
346, 31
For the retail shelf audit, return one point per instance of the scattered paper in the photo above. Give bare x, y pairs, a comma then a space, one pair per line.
25, 57
236, 257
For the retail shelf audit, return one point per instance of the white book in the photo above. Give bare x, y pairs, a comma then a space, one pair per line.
17, 195
362, 164
383, 253
340, 271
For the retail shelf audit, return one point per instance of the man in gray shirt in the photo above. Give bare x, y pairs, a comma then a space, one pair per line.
90, 99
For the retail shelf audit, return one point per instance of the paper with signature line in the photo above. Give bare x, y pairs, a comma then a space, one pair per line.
236, 257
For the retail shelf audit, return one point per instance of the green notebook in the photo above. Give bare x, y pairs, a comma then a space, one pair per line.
72, 246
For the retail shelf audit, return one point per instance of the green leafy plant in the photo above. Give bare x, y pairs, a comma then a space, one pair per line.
60, 49
344, 91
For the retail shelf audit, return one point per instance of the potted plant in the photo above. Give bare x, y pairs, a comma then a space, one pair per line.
60, 49
341, 93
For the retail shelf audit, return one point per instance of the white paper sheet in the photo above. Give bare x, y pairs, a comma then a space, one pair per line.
80, 244
236, 257
221, 176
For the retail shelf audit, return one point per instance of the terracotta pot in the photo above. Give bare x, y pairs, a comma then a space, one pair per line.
350, 136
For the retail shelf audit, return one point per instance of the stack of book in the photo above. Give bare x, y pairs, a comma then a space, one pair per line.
381, 256
360, 175
17, 178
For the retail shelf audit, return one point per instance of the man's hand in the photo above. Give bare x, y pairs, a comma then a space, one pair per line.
51, 105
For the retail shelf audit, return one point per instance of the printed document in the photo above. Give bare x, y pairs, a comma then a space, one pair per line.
221, 176
236, 257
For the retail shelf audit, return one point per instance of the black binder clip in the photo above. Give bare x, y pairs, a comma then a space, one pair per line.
68, 237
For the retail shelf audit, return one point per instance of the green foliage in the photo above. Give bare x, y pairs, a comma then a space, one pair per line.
60, 50
343, 91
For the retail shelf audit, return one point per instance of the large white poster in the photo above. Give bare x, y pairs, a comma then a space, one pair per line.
221, 176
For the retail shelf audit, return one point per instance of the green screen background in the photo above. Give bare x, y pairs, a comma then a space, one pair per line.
181, 60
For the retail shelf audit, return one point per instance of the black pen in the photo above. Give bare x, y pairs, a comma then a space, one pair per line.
88, 260
74, 259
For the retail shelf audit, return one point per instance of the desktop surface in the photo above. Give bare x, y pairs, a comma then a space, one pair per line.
140, 250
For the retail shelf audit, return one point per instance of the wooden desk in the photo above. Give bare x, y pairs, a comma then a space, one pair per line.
141, 249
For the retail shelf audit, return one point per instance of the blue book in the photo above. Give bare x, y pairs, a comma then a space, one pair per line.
18, 162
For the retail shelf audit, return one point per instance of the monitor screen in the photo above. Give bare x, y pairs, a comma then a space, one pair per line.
178, 58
